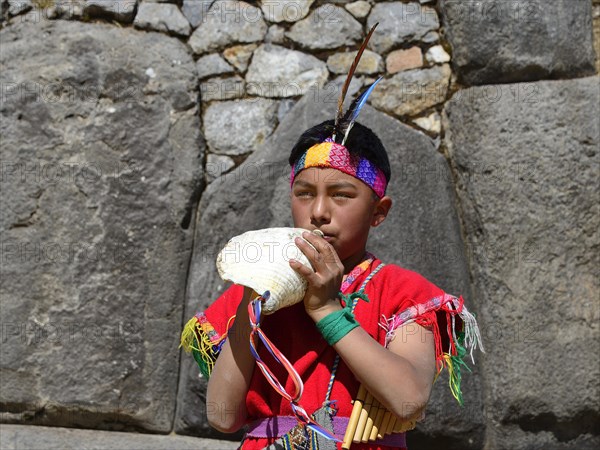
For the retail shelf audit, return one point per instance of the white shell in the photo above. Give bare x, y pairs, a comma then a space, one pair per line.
259, 259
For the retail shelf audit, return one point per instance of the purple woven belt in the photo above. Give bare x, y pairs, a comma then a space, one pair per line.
275, 427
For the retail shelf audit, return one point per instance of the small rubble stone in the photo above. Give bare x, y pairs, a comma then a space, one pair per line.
359, 9
431, 37
228, 22
238, 127
285, 10
217, 165
327, 27
161, 17
275, 35
400, 60
195, 11
16, 7
431, 123
370, 63
120, 10
437, 55
222, 88
400, 23
211, 65
413, 91
279, 72
239, 55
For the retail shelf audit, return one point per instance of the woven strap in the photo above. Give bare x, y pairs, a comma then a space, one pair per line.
254, 313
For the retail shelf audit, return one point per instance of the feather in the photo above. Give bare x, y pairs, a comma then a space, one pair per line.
354, 110
346, 85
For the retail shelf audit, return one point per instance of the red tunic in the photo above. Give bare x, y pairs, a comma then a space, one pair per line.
391, 291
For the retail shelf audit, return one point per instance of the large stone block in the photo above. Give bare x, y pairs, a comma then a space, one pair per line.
101, 169
524, 40
527, 162
421, 233
17, 437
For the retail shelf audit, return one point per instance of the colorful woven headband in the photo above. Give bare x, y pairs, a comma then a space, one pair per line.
329, 154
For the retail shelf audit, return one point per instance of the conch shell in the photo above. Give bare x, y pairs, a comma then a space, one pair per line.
259, 260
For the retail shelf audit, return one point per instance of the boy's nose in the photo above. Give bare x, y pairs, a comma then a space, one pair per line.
320, 211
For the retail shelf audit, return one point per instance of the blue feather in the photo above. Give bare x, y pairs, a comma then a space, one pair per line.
356, 106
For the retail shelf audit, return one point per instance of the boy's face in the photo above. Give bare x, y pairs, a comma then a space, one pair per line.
341, 206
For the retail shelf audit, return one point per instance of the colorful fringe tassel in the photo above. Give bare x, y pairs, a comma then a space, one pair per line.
461, 342
202, 340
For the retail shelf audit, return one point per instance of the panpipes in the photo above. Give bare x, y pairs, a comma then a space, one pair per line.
370, 420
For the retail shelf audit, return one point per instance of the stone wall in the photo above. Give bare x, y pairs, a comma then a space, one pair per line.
137, 136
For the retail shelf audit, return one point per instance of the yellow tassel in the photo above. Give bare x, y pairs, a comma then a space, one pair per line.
188, 335
195, 338
454, 385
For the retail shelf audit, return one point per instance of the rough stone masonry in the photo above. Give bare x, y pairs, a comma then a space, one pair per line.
119, 186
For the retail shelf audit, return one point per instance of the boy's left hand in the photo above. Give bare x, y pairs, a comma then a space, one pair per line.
325, 280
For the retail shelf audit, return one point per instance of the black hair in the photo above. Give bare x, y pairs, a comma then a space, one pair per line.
362, 141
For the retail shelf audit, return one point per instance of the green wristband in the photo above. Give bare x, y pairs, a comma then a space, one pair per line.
336, 325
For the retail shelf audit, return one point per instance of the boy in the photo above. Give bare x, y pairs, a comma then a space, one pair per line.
393, 340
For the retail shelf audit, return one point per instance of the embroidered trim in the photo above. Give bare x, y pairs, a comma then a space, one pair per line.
356, 272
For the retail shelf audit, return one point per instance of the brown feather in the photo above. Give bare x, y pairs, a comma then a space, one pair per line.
353, 67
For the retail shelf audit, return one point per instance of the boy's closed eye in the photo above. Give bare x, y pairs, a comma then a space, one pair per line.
303, 193
333, 194
343, 195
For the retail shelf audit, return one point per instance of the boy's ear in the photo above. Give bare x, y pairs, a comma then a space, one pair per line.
382, 207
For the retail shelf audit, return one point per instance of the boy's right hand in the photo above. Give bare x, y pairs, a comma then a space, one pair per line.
324, 280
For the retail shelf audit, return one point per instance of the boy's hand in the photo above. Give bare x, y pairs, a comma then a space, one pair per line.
325, 280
